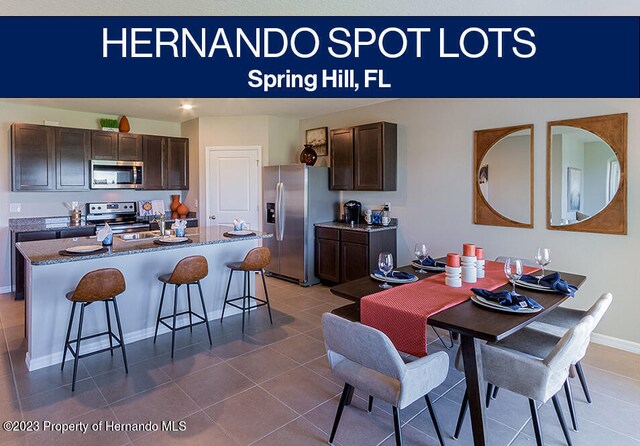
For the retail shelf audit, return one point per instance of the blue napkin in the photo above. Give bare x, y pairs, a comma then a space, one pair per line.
395, 274
552, 281
430, 262
507, 299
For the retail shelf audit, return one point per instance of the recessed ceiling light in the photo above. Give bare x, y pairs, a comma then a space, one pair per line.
187, 106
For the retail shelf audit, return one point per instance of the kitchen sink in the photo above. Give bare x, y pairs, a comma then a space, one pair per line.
133, 236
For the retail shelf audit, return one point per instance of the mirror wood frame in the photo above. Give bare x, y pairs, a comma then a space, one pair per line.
483, 212
612, 129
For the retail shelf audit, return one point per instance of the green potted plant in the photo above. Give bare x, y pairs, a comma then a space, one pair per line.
109, 125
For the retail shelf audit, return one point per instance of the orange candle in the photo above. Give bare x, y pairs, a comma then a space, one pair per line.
469, 249
480, 253
453, 260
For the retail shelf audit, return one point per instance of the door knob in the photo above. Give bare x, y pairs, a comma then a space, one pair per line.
212, 217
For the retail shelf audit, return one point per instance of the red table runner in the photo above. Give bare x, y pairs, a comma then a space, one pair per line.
402, 312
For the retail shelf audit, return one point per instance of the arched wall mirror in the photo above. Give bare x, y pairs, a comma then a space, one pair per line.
586, 174
503, 176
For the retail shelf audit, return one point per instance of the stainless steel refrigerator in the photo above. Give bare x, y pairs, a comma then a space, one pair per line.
295, 197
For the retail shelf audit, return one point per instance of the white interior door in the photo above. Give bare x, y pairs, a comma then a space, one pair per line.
233, 185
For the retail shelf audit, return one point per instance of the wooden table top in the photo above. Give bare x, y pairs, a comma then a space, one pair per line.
469, 318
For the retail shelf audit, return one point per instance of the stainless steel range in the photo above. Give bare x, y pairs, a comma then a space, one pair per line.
121, 216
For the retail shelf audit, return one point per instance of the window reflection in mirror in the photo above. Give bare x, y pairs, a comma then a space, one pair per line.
504, 176
584, 175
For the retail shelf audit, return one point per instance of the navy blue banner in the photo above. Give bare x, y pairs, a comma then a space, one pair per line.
320, 57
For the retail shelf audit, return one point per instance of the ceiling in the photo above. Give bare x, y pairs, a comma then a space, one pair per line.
168, 109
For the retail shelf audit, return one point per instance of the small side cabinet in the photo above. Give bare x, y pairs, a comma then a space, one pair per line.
344, 254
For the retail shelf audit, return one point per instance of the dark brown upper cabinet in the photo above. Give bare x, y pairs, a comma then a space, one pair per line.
177, 163
129, 147
364, 157
72, 148
154, 157
104, 145
33, 157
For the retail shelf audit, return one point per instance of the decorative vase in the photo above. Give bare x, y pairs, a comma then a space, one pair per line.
183, 210
308, 155
124, 125
175, 204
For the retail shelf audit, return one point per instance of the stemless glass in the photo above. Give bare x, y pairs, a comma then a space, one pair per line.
385, 264
513, 271
543, 258
421, 253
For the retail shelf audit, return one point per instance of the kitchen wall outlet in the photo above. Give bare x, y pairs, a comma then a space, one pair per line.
195, 204
387, 207
15, 207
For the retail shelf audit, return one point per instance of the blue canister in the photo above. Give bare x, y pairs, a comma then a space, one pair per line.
108, 240
179, 232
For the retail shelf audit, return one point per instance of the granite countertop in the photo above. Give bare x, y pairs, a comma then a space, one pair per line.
362, 227
46, 252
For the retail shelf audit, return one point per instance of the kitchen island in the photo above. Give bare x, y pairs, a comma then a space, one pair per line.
50, 275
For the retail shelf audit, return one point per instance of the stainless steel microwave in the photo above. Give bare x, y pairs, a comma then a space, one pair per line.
116, 174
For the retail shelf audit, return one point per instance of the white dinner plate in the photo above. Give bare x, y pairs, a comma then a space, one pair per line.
496, 306
535, 287
243, 232
427, 268
393, 279
84, 248
172, 239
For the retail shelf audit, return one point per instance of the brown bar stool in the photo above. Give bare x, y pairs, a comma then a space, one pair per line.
255, 260
189, 271
101, 285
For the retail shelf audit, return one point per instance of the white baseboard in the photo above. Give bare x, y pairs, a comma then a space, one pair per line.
620, 344
5, 289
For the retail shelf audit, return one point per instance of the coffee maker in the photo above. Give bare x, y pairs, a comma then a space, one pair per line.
352, 211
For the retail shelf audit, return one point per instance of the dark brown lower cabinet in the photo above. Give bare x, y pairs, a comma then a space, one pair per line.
343, 254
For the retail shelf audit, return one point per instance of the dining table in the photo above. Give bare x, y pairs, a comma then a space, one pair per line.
473, 324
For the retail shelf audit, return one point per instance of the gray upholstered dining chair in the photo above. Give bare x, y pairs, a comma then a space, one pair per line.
558, 321
538, 379
366, 359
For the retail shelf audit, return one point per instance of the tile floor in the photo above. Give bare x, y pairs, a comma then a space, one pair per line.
272, 386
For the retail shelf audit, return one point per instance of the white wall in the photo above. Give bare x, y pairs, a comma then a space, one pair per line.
434, 197
50, 203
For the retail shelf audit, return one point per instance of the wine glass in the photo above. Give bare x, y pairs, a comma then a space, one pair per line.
385, 264
421, 253
513, 271
543, 258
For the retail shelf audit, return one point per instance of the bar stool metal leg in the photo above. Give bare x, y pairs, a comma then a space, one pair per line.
75, 362
226, 295
244, 296
204, 311
175, 310
189, 303
266, 295
124, 352
66, 342
164, 287
106, 307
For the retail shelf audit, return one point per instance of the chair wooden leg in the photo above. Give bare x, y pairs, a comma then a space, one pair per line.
397, 426
370, 405
489, 393
266, 295
124, 351
563, 425
189, 306
204, 313
536, 422
75, 362
343, 401
226, 295
164, 288
434, 418
66, 342
572, 407
175, 310
106, 307
583, 381
463, 413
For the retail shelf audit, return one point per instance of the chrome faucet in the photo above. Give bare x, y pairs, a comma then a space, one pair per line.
159, 218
